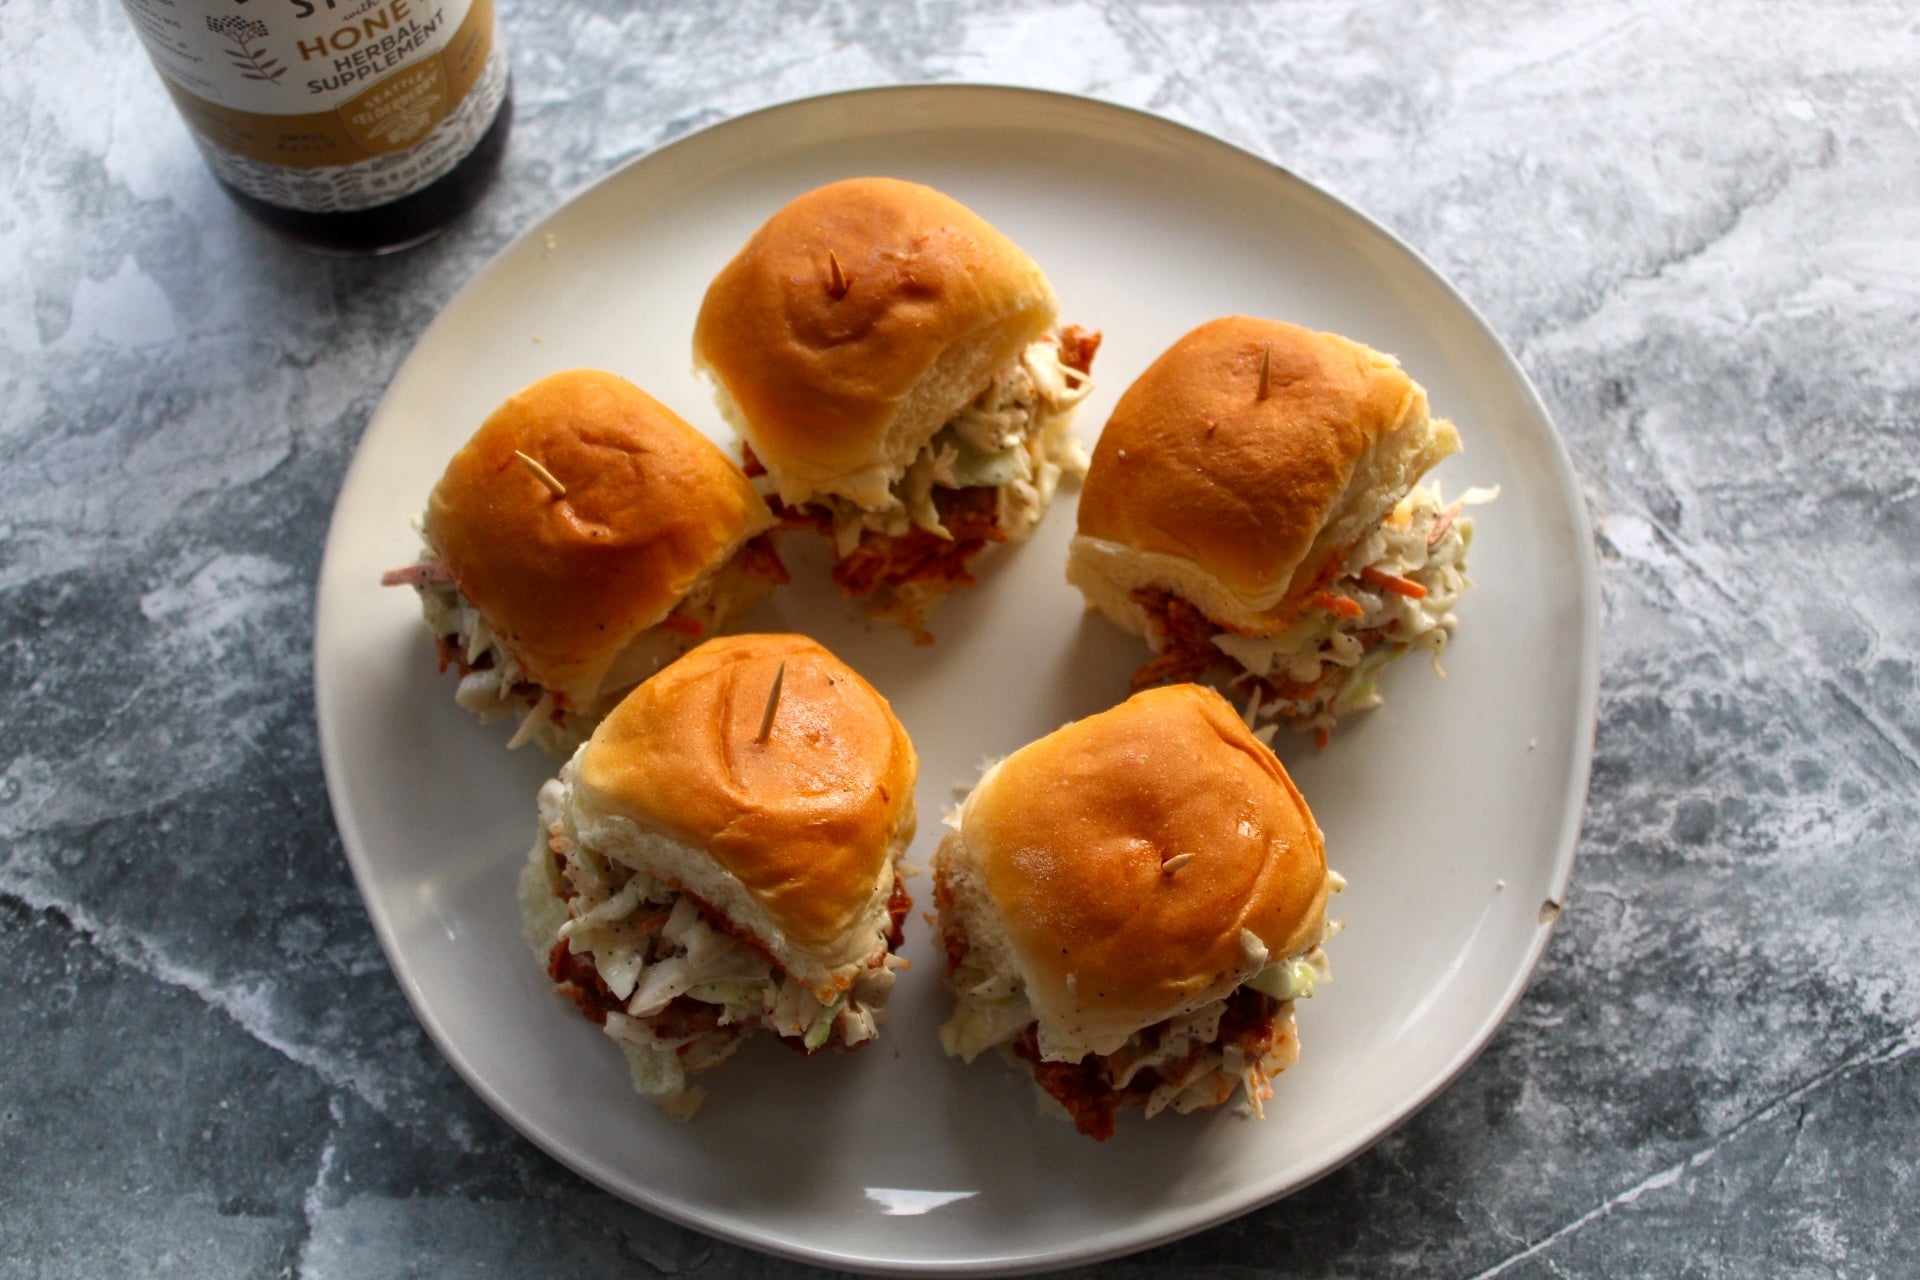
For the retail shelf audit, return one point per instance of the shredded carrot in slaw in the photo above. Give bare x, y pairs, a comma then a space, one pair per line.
1393, 582
416, 575
1336, 604
1444, 523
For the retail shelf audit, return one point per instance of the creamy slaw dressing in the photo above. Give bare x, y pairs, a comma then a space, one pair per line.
992, 1009
503, 688
652, 944
1422, 540
1012, 437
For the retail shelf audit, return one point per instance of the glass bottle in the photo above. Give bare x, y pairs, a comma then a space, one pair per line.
349, 125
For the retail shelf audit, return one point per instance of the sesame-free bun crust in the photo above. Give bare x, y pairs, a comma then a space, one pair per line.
1238, 503
837, 394
565, 583
791, 839
1060, 859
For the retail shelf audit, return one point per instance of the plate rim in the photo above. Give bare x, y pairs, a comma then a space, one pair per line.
1566, 486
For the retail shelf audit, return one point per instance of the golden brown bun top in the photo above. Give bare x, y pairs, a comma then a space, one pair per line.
803, 820
651, 506
1260, 494
1070, 834
836, 387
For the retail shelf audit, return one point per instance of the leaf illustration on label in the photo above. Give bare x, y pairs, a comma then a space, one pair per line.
251, 63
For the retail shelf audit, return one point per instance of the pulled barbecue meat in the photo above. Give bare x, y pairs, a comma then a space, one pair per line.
1077, 347
759, 558
684, 1018
884, 562
1184, 640
1085, 1087
575, 976
952, 940
970, 516
899, 904
1183, 637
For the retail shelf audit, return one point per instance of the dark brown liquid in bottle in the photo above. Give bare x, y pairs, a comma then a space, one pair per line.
403, 222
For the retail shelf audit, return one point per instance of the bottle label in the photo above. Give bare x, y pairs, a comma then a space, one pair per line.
329, 105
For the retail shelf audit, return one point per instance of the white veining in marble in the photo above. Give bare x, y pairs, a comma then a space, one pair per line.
1694, 224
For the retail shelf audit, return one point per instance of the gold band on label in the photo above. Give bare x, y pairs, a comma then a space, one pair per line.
393, 114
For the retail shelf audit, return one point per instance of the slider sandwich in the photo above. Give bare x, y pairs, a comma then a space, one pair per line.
724, 855
1130, 907
583, 538
1252, 510
898, 374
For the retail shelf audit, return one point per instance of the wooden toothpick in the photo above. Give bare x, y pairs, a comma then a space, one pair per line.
1174, 863
543, 475
773, 702
838, 288
1266, 373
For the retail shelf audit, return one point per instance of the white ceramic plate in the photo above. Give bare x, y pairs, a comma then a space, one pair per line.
1453, 810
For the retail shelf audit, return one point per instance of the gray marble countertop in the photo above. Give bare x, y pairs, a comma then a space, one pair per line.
1694, 224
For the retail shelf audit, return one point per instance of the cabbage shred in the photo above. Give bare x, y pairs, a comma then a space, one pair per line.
656, 953
1326, 662
494, 686
1190, 1069
1011, 438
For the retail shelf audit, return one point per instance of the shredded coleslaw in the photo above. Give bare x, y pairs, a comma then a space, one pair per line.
495, 686
1191, 1069
1395, 593
652, 946
1012, 438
